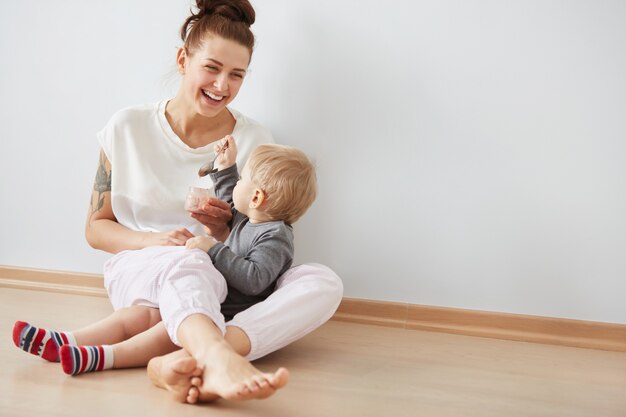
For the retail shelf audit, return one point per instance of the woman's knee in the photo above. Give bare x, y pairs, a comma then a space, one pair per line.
317, 278
194, 270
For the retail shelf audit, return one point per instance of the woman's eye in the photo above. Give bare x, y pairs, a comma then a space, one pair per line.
237, 75
212, 68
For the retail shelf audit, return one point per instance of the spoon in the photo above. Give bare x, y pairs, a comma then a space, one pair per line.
207, 168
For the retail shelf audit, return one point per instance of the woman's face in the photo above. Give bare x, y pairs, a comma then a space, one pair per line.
213, 74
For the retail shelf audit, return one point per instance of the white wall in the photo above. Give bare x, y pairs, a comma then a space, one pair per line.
471, 154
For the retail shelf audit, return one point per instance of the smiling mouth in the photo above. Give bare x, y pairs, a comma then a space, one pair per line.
211, 96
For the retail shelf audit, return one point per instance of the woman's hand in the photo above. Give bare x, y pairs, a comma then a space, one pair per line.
215, 215
176, 237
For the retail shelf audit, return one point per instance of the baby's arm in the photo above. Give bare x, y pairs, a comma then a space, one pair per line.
201, 242
227, 153
257, 269
227, 175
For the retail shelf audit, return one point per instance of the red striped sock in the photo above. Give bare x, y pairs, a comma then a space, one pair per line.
76, 360
40, 342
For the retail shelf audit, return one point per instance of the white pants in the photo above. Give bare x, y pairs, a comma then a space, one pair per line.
181, 282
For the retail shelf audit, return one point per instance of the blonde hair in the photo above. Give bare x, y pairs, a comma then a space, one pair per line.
287, 177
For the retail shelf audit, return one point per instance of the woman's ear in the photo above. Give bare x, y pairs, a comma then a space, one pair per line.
181, 60
258, 197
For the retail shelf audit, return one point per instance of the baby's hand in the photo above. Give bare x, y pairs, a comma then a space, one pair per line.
228, 155
201, 242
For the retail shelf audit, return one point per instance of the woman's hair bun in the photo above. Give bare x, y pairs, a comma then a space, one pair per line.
229, 19
235, 10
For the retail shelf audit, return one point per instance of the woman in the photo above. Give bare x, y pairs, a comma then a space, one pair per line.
150, 155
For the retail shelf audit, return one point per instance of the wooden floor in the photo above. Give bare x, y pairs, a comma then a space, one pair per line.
340, 370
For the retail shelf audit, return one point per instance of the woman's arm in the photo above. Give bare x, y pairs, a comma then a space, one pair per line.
104, 232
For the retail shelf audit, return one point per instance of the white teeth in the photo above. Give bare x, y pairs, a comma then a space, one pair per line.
213, 96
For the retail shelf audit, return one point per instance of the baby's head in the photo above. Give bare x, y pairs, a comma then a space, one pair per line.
281, 180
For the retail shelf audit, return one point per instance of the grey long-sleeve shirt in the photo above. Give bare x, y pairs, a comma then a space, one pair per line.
253, 256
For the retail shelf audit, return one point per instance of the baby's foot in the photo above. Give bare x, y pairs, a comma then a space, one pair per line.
40, 342
76, 360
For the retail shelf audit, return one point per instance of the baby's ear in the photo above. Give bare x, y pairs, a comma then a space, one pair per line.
257, 198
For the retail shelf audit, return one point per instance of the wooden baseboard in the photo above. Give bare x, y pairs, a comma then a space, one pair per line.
518, 327
495, 325
53, 281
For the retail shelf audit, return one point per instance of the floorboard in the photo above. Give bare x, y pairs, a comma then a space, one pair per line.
342, 369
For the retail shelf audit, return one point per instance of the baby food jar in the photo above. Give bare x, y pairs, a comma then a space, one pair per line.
196, 198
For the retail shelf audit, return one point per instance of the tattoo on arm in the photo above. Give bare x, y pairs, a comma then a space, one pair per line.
101, 185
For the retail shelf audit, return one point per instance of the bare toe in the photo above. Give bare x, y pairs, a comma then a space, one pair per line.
279, 378
192, 395
265, 388
261, 381
232, 377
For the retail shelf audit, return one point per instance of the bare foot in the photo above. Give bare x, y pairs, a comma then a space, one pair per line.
194, 392
174, 373
230, 376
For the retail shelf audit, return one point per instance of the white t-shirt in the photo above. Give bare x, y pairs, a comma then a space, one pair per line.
152, 169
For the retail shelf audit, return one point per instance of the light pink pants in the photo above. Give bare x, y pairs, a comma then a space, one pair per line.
181, 282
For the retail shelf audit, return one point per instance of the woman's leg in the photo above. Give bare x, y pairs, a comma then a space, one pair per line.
192, 286
226, 374
219, 371
311, 293
306, 297
165, 371
190, 301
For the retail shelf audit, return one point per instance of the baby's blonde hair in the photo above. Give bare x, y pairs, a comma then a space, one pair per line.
287, 177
